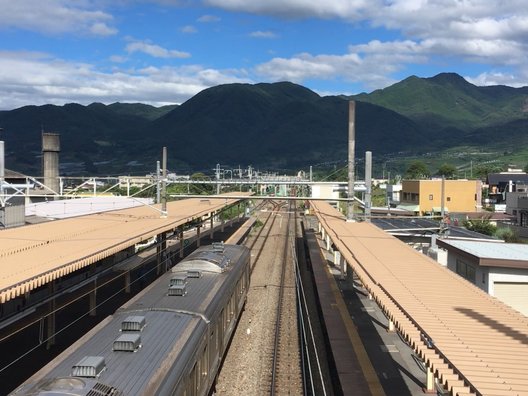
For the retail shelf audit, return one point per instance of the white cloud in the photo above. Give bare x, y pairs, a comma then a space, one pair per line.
368, 64
118, 59
479, 31
297, 8
30, 78
189, 29
263, 34
208, 18
155, 50
55, 17
497, 78
101, 29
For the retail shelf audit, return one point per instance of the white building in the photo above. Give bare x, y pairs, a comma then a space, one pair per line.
325, 190
500, 269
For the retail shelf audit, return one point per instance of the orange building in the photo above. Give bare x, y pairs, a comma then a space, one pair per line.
425, 196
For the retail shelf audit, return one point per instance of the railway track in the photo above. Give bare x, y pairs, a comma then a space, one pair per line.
259, 241
264, 355
286, 351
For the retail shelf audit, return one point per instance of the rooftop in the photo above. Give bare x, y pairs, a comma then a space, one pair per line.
486, 250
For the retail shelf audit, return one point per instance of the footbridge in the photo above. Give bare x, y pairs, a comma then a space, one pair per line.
470, 342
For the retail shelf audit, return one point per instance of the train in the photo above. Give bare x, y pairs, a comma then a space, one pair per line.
170, 339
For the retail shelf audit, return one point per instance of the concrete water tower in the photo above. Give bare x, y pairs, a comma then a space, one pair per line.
50, 160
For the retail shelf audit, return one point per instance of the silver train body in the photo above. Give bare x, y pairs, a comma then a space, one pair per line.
168, 340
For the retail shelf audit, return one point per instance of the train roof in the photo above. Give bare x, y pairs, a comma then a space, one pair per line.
167, 328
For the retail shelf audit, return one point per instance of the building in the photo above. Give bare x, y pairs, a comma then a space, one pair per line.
500, 269
517, 208
424, 197
499, 184
393, 194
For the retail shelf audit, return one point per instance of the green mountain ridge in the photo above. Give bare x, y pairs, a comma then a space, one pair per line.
273, 126
448, 100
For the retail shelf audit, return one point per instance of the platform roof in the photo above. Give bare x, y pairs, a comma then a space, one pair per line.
34, 255
477, 344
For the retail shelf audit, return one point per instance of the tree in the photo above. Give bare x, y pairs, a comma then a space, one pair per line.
198, 189
417, 170
482, 226
481, 171
449, 171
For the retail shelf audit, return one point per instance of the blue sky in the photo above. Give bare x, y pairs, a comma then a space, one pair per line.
165, 51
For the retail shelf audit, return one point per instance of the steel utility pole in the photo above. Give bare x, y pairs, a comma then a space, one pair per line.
158, 192
368, 184
351, 157
164, 184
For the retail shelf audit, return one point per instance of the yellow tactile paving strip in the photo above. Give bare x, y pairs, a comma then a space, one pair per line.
33, 255
480, 344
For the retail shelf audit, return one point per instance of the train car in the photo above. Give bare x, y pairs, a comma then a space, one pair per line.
168, 340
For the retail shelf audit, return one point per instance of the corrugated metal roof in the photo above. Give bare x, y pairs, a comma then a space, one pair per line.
479, 342
500, 251
37, 254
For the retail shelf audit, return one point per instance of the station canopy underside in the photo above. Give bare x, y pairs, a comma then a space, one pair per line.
471, 341
34, 255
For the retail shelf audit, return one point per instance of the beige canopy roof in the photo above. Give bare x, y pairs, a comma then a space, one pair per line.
33, 255
479, 344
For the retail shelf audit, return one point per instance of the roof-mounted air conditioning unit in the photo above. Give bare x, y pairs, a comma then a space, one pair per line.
133, 323
129, 342
89, 367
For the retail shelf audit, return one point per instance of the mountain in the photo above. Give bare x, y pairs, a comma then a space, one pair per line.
448, 101
279, 125
272, 126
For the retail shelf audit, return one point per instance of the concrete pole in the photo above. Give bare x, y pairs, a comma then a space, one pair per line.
343, 266
311, 174
442, 197
161, 248
50, 160
164, 184
351, 157
430, 383
158, 174
368, 184
198, 228
337, 257
392, 327
212, 225
181, 242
